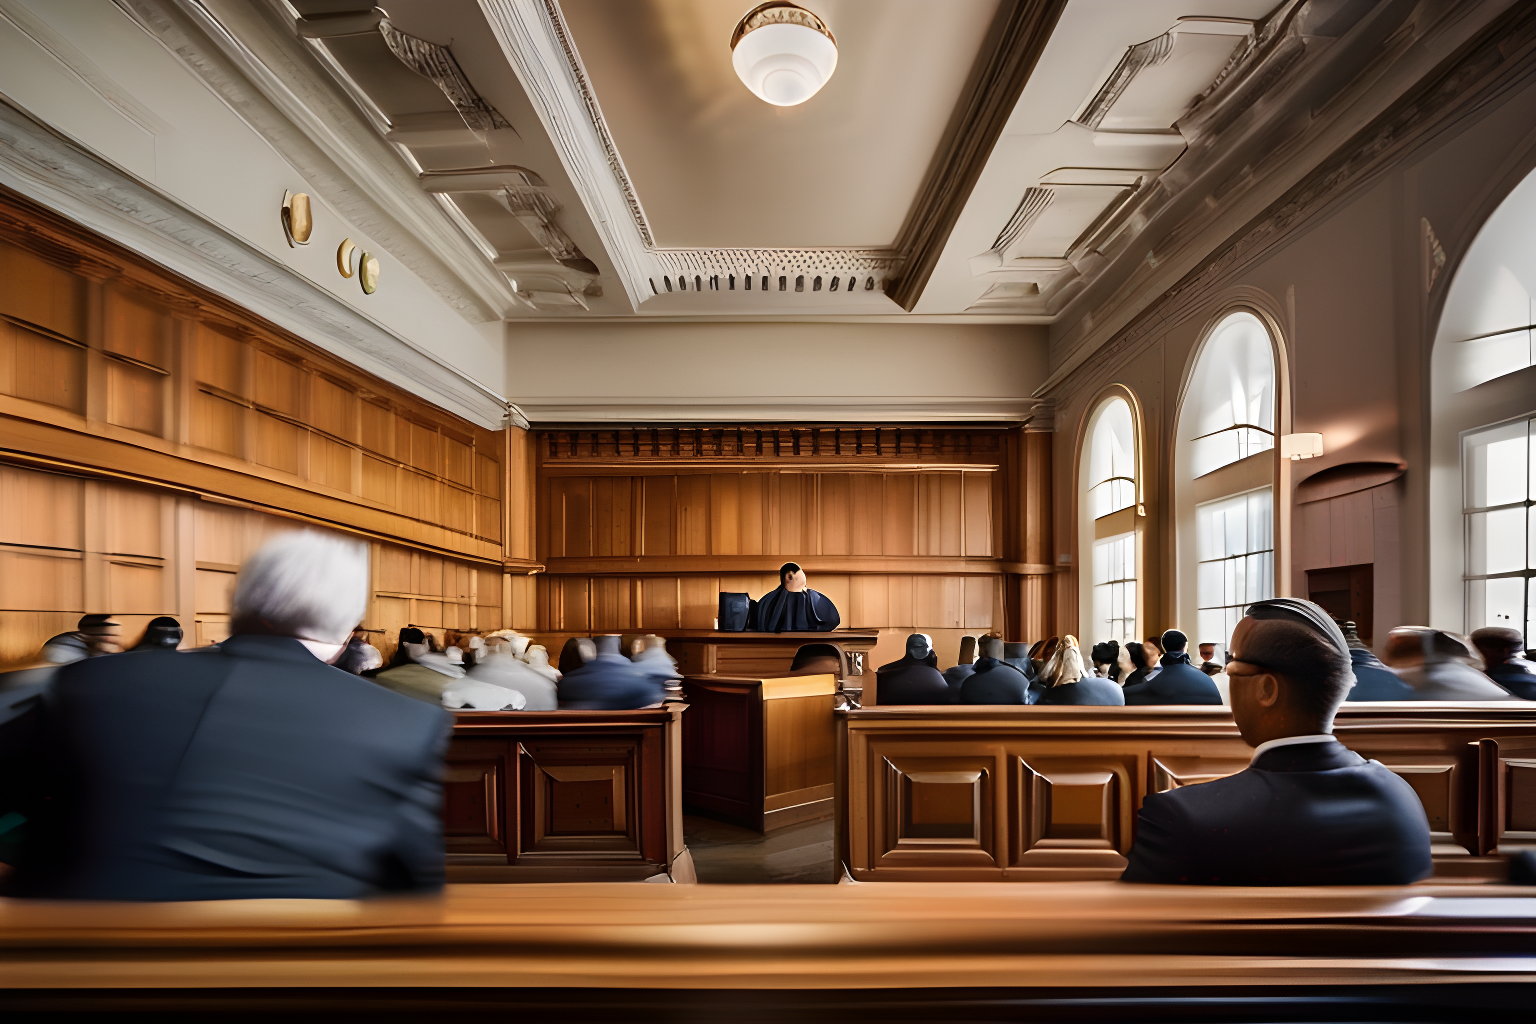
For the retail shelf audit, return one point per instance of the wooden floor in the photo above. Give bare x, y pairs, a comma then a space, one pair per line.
729, 855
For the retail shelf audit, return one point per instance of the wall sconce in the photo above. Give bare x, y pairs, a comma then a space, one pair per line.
298, 222
1301, 446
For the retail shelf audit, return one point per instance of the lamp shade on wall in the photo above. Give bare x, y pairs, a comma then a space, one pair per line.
783, 53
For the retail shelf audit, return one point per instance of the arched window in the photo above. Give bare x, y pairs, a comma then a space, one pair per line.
1110, 519
1483, 398
1227, 432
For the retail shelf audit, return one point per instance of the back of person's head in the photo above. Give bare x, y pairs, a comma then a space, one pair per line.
304, 585
1298, 642
1498, 644
1174, 642
1065, 665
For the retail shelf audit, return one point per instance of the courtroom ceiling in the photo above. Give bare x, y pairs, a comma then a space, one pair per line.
969, 159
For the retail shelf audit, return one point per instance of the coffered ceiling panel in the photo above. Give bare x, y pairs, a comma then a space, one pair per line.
714, 166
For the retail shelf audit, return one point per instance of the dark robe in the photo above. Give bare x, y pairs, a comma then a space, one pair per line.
1179, 682
1087, 691
781, 611
995, 682
1374, 681
1307, 814
1516, 676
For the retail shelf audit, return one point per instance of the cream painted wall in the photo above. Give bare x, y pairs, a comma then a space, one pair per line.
96, 77
754, 371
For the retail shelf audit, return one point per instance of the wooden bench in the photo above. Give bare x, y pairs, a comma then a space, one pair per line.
758, 752
1051, 793
587, 951
565, 796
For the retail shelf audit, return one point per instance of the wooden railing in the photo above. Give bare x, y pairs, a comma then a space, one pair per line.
1050, 794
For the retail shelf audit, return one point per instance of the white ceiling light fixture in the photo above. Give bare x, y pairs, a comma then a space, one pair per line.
783, 53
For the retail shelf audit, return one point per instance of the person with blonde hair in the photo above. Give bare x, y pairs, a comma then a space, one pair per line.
1067, 683
253, 770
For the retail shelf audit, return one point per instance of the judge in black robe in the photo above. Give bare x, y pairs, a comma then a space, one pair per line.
794, 607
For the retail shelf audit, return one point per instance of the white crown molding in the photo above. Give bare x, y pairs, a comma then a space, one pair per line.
798, 409
268, 77
537, 42
63, 175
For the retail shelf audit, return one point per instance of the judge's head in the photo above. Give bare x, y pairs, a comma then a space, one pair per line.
791, 577
303, 585
1290, 670
1498, 644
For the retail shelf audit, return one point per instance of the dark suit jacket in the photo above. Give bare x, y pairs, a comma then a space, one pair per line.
1090, 690
1178, 683
1516, 677
1374, 681
995, 682
256, 771
1309, 814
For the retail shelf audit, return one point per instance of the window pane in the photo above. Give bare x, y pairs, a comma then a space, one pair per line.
1496, 463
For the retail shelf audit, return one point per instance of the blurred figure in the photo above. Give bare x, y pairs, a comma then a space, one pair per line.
606, 681
1067, 683
1501, 648
102, 634
162, 634
258, 770
994, 681
1439, 666
1307, 810
1373, 680
360, 656
915, 678
1178, 682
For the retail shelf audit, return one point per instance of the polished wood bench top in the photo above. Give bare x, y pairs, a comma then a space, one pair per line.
785, 937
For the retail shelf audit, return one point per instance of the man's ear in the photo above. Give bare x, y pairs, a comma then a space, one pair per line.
1266, 690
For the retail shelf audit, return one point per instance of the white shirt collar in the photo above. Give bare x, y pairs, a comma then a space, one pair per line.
1291, 741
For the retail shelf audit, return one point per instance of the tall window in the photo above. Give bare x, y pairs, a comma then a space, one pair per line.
1111, 504
1228, 423
1499, 490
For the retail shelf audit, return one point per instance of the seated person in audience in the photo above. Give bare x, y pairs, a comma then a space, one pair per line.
1308, 810
607, 681
1373, 680
913, 679
417, 671
1501, 648
1439, 666
1177, 682
258, 770
962, 670
994, 681
793, 607
1066, 682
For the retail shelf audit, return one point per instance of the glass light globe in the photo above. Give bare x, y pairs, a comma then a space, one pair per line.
784, 64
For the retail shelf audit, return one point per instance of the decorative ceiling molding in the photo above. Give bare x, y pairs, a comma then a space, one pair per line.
1018, 37
1480, 62
61, 175
537, 42
436, 63
320, 134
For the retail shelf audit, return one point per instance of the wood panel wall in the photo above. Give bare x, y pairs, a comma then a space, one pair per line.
905, 529
156, 433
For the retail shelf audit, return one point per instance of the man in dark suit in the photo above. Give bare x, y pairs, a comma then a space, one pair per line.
1308, 810
257, 770
1177, 681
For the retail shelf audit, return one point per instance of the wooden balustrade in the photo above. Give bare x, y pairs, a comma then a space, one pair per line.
1051, 793
565, 796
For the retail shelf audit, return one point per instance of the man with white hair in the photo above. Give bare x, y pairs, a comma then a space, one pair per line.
257, 770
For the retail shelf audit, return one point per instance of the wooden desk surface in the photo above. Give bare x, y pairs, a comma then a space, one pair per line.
1103, 934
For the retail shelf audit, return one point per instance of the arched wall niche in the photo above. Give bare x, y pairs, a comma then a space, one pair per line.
1482, 458
1109, 497
1230, 488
